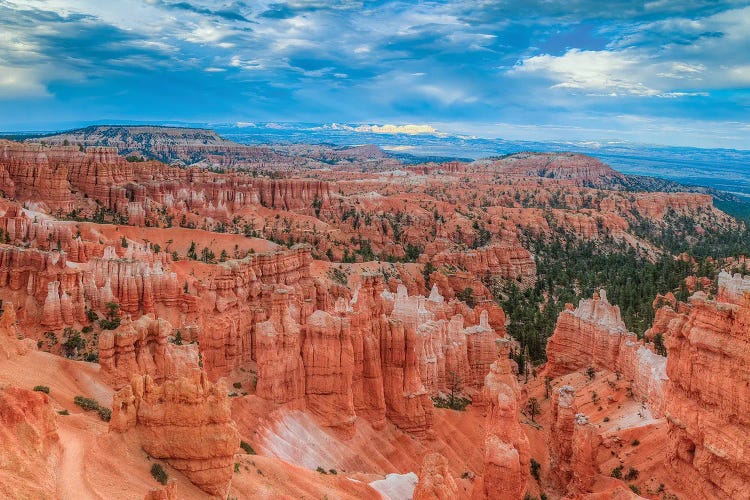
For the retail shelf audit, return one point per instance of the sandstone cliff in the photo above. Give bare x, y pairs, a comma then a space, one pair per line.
141, 347
186, 422
435, 480
507, 455
59, 179
30, 444
594, 335
708, 396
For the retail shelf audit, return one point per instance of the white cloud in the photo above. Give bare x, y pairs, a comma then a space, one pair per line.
675, 57
601, 71
207, 34
246, 64
680, 70
446, 95
406, 129
409, 129
21, 82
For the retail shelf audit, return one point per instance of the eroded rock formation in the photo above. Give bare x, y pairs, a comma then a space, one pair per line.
57, 178
186, 422
507, 455
11, 343
573, 444
708, 397
30, 444
435, 480
594, 335
142, 347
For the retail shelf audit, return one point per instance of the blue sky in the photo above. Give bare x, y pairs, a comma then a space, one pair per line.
659, 71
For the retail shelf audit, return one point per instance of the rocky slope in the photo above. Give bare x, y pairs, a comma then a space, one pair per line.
580, 169
31, 449
205, 148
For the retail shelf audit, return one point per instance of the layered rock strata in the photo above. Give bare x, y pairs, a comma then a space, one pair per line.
435, 480
61, 176
573, 445
142, 347
708, 396
507, 452
186, 422
30, 444
594, 335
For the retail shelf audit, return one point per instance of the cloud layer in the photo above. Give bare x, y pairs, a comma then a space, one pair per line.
530, 63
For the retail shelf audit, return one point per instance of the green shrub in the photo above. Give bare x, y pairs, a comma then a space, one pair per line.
458, 403
89, 404
635, 442
63, 412
332, 471
237, 385
635, 489
467, 295
177, 339
535, 466
616, 472
109, 324
632, 474
41, 388
104, 413
159, 473
247, 448
321, 470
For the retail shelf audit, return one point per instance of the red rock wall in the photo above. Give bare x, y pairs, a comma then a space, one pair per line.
30, 444
142, 348
186, 422
328, 358
508, 261
594, 335
435, 480
61, 176
708, 397
56, 294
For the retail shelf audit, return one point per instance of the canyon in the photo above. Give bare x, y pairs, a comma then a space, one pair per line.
173, 331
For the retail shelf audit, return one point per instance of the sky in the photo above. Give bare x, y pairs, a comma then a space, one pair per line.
662, 71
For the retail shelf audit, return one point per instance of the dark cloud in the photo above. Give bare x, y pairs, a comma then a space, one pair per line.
583, 10
288, 10
233, 12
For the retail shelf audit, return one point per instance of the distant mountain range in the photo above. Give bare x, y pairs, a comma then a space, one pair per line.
720, 172
722, 169
204, 147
